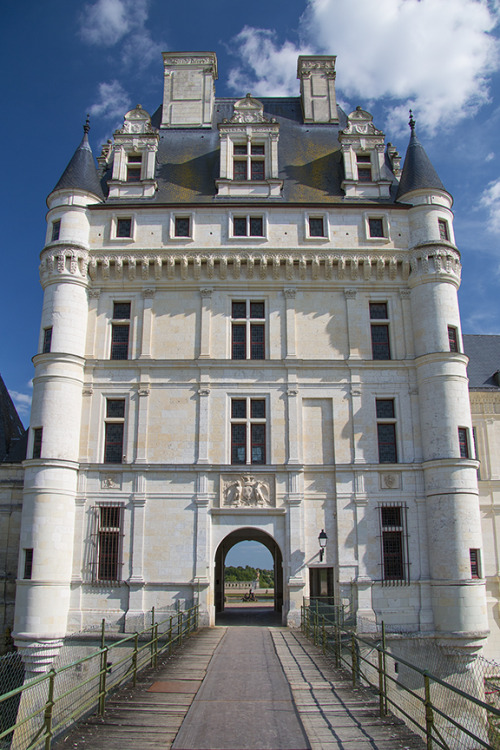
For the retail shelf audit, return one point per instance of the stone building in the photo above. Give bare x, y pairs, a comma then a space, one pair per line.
250, 330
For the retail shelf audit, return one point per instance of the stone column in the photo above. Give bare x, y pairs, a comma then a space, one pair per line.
135, 619
352, 324
142, 423
147, 324
202, 559
294, 559
294, 432
206, 323
203, 436
291, 333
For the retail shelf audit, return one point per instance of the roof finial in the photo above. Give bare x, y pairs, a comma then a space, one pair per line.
86, 127
412, 122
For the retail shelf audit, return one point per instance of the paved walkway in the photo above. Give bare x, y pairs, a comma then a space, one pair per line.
246, 688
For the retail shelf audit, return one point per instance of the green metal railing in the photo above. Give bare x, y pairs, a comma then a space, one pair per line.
445, 716
54, 701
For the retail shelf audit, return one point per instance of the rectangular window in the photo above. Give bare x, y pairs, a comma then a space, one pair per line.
248, 226
316, 226
443, 230
394, 543
463, 442
381, 348
120, 330
47, 340
249, 161
56, 229
453, 338
386, 431
475, 566
248, 431
106, 549
28, 564
124, 228
248, 330
37, 442
363, 162
376, 227
134, 165
182, 226
114, 430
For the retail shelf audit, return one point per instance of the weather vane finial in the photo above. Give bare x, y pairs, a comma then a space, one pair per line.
411, 123
86, 127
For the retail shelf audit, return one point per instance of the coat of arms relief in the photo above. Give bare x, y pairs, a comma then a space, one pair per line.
247, 491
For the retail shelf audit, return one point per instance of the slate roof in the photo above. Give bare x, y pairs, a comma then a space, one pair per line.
418, 172
13, 436
484, 360
310, 159
81, 172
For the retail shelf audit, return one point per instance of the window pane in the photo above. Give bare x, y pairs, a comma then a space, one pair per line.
387, 443
115, 408
121, 310
257, 170
240, 149
380, 342
182, 228
238, 443
258, 443
453, 339
110, 516
113, 450
256, 309
238, 408
56, 228
28, 564
393, 555
257, 150
391, 516
124, 228
378, 310
364, 175
239, 310
256, 226
257, 341
119, 342
443, 230
240, 227
109, 542
37, 442
474, 563
133, 174
316, 228
376, 227
240, 170
463, 442
258, 408
134, 159
363, 158
385, 408
47, 340
239, 342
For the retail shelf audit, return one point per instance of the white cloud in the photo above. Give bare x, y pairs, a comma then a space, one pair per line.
139, 50
22, 402
433, 54
112, 102
106, 22
490, 156
490, 199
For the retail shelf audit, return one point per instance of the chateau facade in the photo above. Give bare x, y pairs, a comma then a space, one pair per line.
250, 330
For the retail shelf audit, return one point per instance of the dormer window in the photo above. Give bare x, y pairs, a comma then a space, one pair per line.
364, 164
134, 167
249, 153
133, 157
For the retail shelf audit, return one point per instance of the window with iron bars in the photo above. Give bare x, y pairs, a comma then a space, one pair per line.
394, 548
106, 544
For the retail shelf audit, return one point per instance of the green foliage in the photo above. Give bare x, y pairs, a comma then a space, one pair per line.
232, 573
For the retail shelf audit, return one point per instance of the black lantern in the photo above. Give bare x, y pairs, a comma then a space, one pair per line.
322, 539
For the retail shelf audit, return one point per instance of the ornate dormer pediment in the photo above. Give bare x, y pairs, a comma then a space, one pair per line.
249, 110
136, 121
360, 122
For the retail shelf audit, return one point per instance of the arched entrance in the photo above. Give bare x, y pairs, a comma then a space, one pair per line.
243, 535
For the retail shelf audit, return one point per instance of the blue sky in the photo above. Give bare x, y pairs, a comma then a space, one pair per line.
63, 59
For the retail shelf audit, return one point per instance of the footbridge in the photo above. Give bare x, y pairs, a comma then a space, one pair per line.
247, 683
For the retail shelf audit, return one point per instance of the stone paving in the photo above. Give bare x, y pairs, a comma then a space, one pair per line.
247, 688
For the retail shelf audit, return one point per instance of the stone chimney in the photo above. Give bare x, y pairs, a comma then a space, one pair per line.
317, 87
188, 92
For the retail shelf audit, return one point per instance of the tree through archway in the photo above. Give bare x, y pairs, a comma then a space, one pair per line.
241, 535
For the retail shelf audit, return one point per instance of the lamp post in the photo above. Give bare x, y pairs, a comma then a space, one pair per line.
322, 539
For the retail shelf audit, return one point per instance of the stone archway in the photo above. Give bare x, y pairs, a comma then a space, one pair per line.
243, 535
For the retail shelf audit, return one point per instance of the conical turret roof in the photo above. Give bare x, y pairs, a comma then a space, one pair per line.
13, 436
418, 172
81, 172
